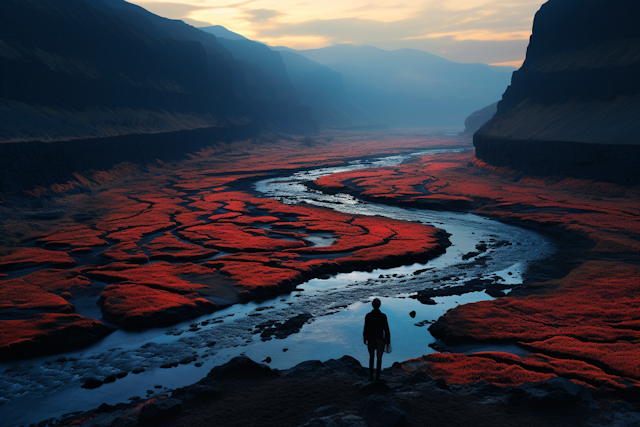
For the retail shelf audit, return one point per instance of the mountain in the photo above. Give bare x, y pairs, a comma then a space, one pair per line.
574, 106
479, 118
90, 83
409, 87
96, 68
220, 31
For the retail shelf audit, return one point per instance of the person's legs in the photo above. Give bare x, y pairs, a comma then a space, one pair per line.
371, 356
379, 365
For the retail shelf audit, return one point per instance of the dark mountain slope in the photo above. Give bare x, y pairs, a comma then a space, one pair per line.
121, 84
574, 106
317, 86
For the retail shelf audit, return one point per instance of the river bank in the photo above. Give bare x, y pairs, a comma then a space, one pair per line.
175, 356
462, 251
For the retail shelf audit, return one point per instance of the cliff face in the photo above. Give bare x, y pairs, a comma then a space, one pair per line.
574, 106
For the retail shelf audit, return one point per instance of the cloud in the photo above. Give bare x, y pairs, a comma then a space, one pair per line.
171, 10
490, 31
261, 15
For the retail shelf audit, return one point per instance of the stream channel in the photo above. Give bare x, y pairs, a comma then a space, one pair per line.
37, 389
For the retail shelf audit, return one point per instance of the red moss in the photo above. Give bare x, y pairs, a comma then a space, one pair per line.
43, 332
253, 275
23, 257
58, 281
461, 369
159, 275
136, 305
233, 238
128, 252
169, 247
80, 237
18, 294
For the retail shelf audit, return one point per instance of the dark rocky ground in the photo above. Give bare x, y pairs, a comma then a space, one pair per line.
336, 393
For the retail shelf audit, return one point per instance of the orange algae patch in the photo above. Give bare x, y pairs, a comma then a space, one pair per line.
23, 257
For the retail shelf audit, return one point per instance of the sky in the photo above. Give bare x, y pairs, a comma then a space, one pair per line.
494, 32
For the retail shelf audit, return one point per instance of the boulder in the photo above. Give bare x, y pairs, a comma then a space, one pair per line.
382, 412
556, 392
241, 366
159, 410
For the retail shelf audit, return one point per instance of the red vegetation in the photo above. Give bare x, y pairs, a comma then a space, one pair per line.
587, 324
19, 294
461, 369
136, 305
77, 237
186, 212
47, 332
169, 247
25, 257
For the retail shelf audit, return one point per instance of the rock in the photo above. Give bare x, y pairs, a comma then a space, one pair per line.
92, 383
417, 377
556, 392
626, 419
328, 410
442, 384
159, 410
109, 379
195, 390
239, 367
267, 360
412, 314
377, 387
352, 421
321, 422
381, 412
309, 368
346, 364
587, 96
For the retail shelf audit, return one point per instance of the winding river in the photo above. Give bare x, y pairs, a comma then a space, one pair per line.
37, 389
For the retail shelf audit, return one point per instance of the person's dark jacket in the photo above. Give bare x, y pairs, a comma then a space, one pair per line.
376, 326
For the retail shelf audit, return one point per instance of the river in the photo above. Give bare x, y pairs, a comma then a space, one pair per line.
47, 387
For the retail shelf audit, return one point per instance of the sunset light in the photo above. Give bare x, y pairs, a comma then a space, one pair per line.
488, 31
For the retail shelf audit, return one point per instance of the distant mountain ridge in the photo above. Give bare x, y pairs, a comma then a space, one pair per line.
403, 88
409, 87
574, 106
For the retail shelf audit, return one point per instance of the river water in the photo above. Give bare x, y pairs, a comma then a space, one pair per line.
42, 388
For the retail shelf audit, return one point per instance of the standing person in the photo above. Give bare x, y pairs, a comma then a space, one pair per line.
376, 335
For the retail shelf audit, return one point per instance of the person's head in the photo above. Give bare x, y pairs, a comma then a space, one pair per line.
375, 303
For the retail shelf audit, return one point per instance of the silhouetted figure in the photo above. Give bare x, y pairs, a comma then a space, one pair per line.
376, 335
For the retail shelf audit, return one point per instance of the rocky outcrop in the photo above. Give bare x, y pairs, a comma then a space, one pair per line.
573, 107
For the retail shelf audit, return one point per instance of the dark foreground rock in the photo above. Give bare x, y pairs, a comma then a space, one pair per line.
329, 394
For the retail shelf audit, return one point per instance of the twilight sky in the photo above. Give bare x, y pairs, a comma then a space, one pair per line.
489, 31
